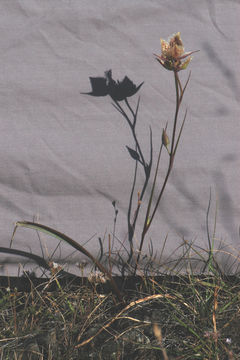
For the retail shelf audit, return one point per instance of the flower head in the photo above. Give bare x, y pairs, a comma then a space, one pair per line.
118, 90
97, 277
173, 54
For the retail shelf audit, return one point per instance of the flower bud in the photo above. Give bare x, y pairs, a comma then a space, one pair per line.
165, 139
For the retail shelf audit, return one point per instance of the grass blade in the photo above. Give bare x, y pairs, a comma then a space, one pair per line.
62, 237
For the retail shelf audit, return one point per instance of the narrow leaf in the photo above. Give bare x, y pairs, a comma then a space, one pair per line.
73, 243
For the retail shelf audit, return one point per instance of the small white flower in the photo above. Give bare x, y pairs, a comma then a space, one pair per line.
97, 277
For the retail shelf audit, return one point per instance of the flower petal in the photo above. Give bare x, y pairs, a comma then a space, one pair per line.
184, 65
164, 46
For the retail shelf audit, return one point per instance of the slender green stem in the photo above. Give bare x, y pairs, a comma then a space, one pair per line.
153, 186
172, 154
148, 219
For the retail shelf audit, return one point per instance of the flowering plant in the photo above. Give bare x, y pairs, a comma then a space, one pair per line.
172, 58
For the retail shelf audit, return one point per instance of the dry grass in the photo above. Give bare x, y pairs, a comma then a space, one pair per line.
188, 317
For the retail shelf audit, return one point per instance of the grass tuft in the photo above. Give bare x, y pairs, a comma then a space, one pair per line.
167, 317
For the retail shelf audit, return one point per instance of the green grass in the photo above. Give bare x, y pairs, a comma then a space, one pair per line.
183, 309
166, 317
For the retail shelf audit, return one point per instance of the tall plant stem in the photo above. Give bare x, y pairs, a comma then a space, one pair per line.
149, 218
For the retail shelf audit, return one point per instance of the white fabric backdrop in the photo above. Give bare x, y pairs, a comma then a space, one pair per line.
62, 154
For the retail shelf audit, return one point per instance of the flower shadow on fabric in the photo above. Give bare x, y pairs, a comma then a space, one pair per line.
118, 90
